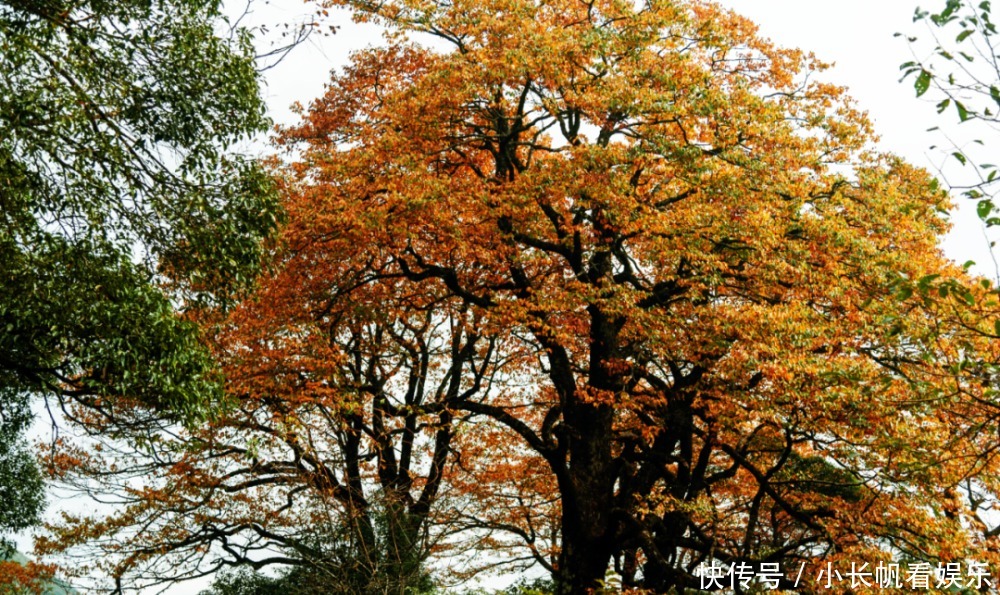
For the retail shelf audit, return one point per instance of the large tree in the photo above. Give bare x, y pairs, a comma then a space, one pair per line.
698, 256
702, 289
119, 203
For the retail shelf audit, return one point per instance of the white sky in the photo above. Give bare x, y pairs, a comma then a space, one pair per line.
855, 34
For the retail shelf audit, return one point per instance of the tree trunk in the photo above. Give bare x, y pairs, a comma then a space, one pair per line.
586, 524
588, 497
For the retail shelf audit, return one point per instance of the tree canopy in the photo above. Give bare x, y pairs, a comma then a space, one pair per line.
119, 205
583, 284
115, 177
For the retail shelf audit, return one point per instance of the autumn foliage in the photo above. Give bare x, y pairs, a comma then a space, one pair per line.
24, 579
578, 284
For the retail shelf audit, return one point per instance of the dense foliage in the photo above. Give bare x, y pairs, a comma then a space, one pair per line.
118, 203
114, 174
21, 488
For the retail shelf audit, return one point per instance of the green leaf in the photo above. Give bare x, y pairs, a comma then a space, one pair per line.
983, 209
925, 282
964, 35
970, 300
963, 113
961, 158
923, 82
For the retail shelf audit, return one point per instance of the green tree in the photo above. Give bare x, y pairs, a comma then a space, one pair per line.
21, 485
121, 206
